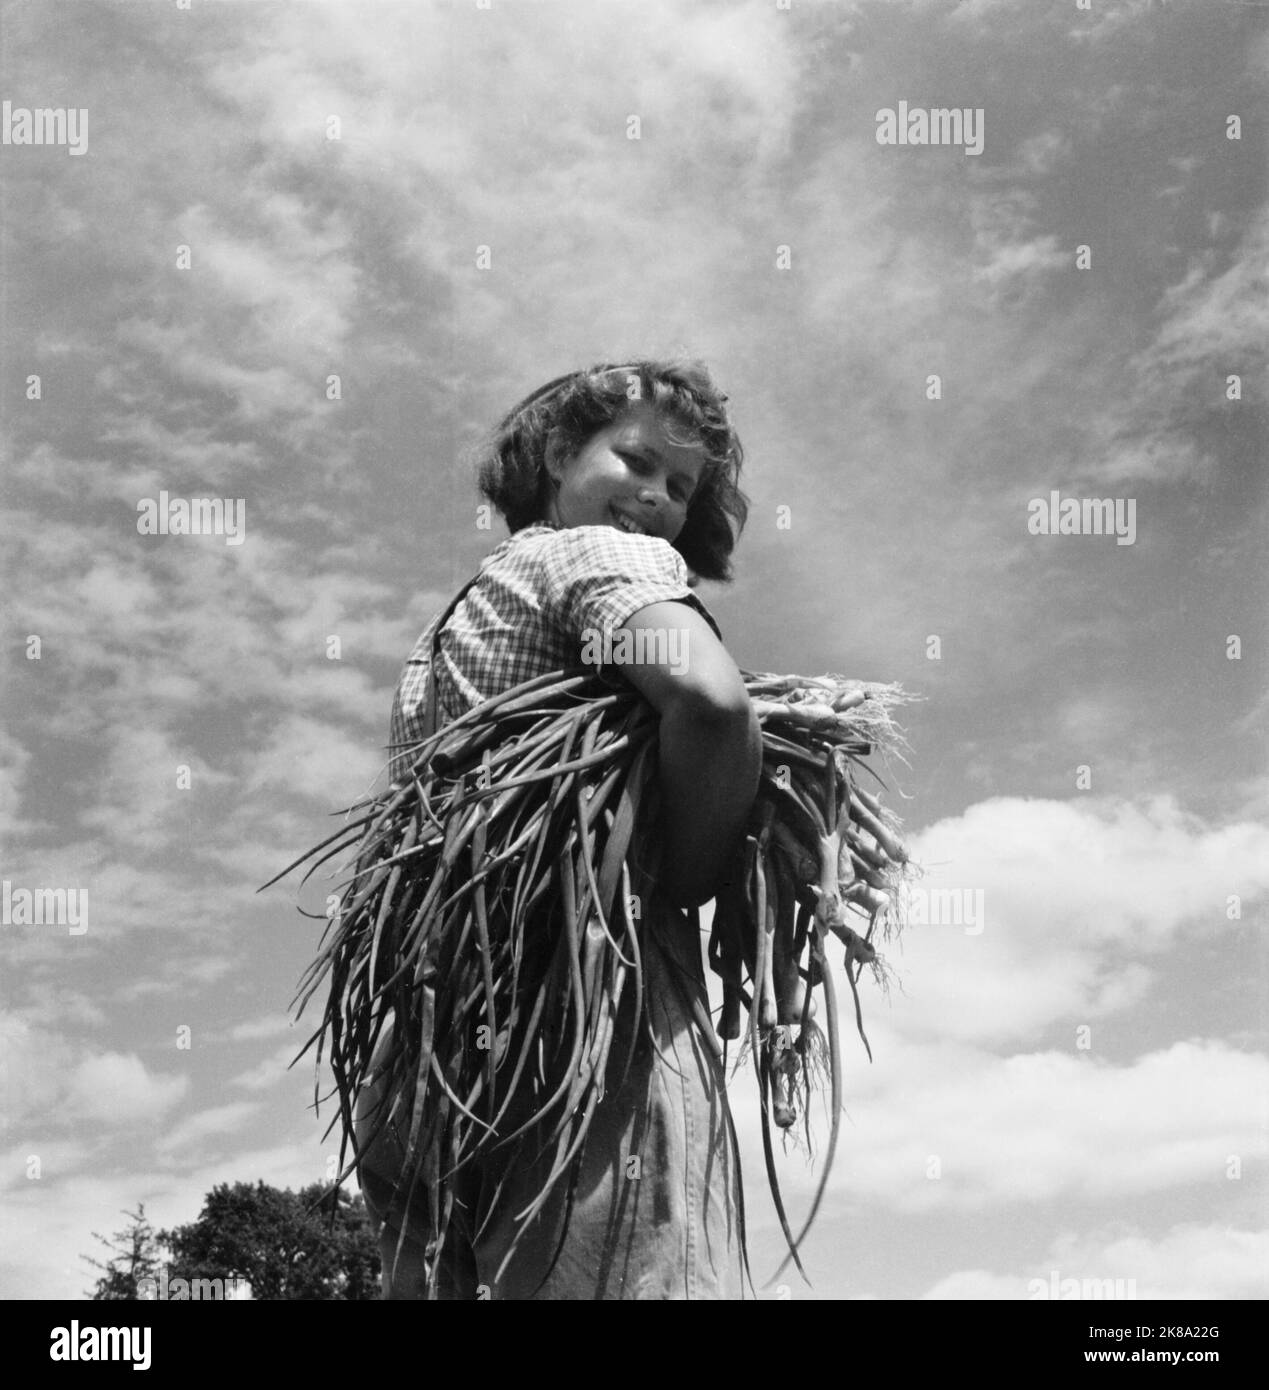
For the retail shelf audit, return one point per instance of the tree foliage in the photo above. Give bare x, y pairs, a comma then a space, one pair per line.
136, 1257
311, 1244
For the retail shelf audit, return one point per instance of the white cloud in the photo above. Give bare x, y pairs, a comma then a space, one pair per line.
14, 761
54, 1005
119, 1089
274, 1069
1079, 897
1037, 1128
1008, 248
42, 1164
1104, 23
251, 1030
261, 315
980, 1285
53, 1084
207, 1129
1217, 317
123, 897
1189, 1261
1213, 322
291, 274
144, 800
1106, 868
306, 757
1009, 261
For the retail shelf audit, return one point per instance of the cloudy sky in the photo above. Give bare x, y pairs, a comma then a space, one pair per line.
275, 194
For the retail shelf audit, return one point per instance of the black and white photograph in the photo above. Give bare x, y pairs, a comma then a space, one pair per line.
634, 658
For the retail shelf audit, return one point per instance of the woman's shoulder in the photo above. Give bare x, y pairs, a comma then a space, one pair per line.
574, 552
580, 578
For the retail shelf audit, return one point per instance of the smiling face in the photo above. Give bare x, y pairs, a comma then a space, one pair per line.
631, 474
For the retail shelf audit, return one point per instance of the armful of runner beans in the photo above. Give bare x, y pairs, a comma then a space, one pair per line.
491, 911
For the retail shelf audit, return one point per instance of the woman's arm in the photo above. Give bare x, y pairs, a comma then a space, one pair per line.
711, 745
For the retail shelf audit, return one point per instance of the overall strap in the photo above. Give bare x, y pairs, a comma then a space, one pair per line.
430, 712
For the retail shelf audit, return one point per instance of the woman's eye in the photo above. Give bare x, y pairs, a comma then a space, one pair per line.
677, 489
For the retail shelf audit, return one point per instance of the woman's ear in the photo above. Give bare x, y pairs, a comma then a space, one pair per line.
556, 458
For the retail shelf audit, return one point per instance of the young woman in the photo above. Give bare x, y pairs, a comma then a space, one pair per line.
619, 486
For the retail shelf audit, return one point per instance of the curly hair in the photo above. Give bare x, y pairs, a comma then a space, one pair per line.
561, 416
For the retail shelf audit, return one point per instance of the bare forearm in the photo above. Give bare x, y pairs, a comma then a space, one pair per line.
710, 763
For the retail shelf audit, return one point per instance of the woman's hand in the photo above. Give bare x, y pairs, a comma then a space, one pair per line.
711, 745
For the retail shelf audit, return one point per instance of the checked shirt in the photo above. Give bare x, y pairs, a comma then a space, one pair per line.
536, 596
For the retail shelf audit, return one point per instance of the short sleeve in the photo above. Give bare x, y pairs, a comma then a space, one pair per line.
595, 578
